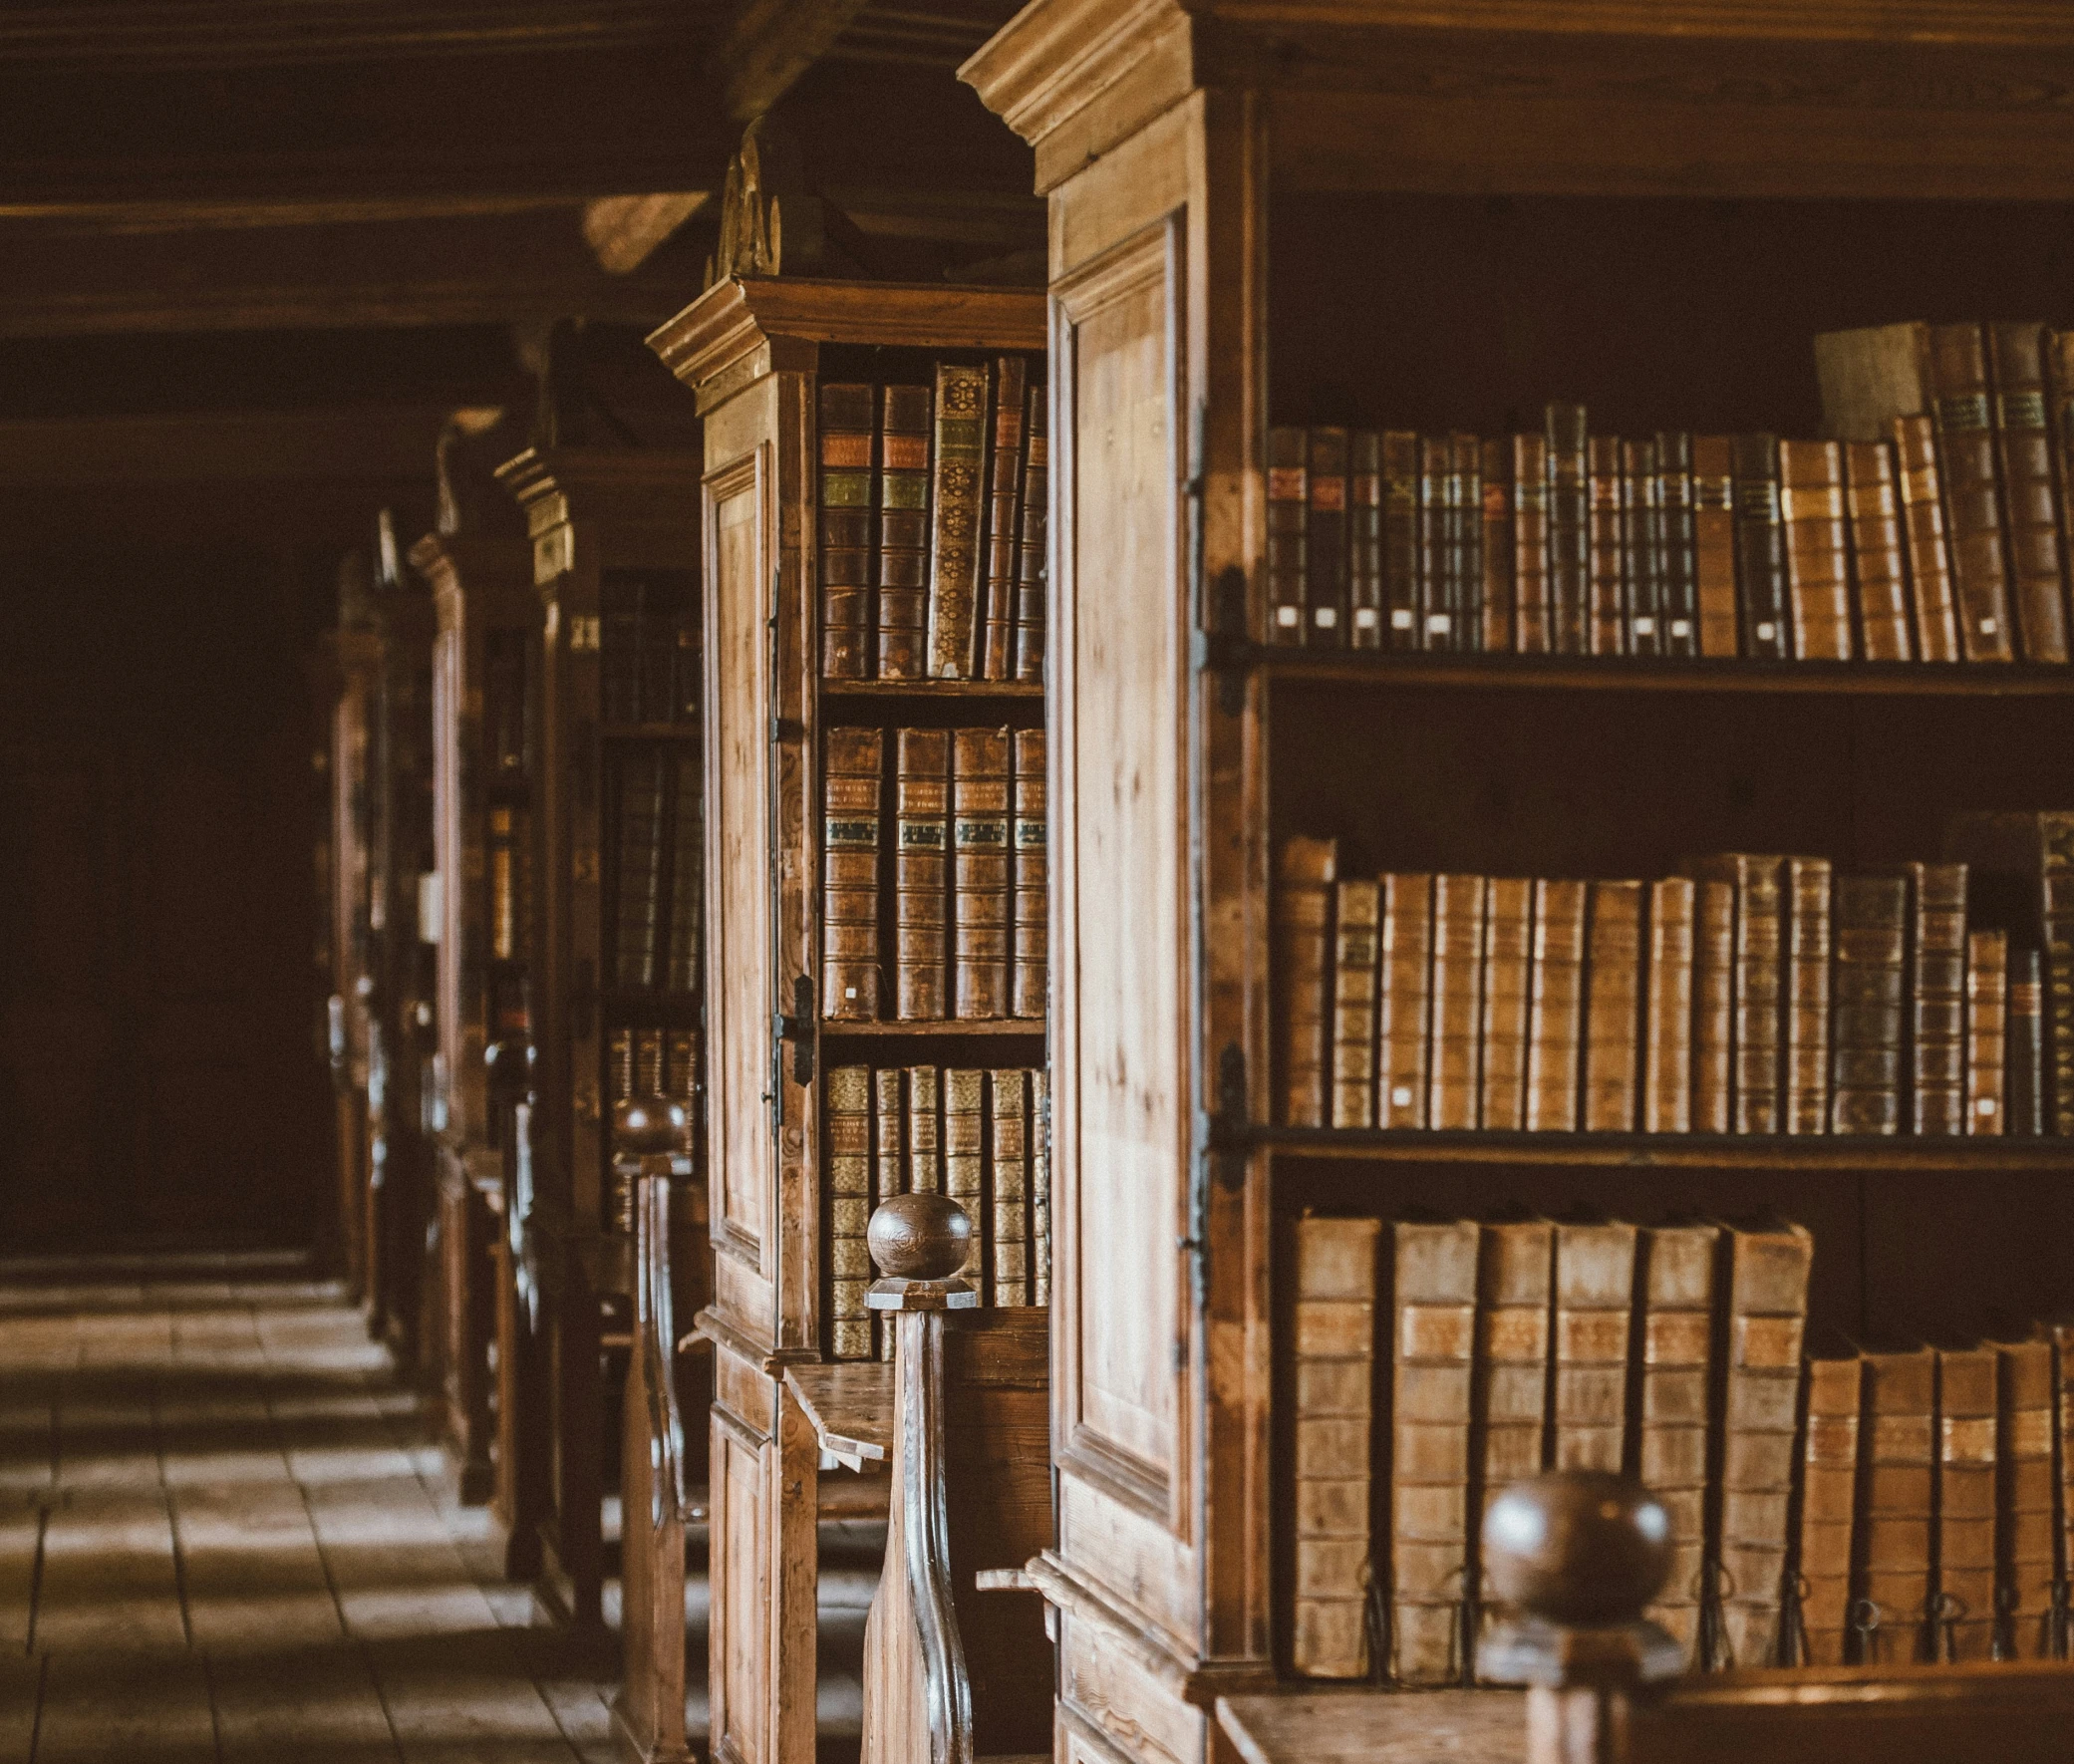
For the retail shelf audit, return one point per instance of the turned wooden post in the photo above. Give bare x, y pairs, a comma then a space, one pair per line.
917, 1698
1577, 1555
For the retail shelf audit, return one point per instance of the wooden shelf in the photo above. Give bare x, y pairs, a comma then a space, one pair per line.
932, 688
1811, 1152
991, 1026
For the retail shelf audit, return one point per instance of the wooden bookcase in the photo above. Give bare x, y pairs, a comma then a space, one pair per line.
756, 352
356, 655
601, 519
1395, 214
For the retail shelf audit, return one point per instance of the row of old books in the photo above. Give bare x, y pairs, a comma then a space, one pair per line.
966, 880
979, 1136
931, 525
658, 845
1753, 994
1930, 526
644, 1062
647, 649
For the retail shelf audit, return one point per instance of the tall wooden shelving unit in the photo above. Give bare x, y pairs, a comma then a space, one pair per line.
597, 516
756, 352
1398, 214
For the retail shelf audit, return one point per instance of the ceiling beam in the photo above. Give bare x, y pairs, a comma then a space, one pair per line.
770, 44
623, 232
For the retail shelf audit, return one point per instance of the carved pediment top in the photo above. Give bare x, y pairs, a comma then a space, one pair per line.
577, 473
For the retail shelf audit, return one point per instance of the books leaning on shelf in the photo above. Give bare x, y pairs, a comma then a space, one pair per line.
1930, 523
978, 1136
656, 880
1754, 995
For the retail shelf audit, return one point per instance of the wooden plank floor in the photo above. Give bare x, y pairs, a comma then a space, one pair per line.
225, 1539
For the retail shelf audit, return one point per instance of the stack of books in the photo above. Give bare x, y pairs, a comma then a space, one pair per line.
657, 880
978, 1136
1753, 994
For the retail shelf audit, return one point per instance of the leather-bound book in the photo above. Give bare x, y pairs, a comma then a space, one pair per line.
1808, 937
1529, 544
965, 1170
957, 495
1931, 595
1335, 1380
1439, 556
1030, 521
1402, 994
1713, 1007
687, 876
2060, 1332
1508, 992
1818, 555
619, 1063
1828, 1507
1987, 1005
1039, 1186
1029, 977
1570, 529
1967, 1408
1713, 544
1767, 1293
1457, 992
1326, 583
1879, 568
1304, 879
847, 411
1400, 539
1433, 1340
1872, 920
639, 922
1969, 463
1509, 1391
2022, 877
904, 425
2025, 1509
1595, 1302
925, 1130
1364, 540
1642, 533
1355, 937
648, 1063
2025, 1053
506, 868
1465, 493
1760, 549
980, 817
1007, 1187
1555, 1020
1500, 578
1004, 486
1935, 1011
846, 1174
1756, 1105
1289, 529
888, 1141
921, 872
851, 771
2023, 442
1612, 1007
1897, 1498
1680, 565
1677, 1286
1606, 572
680, 1063
1666, 1091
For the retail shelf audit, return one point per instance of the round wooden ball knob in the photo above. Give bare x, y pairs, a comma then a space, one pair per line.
1577, 1546
649, 1127
919, 1237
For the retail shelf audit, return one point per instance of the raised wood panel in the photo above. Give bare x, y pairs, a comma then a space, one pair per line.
741, 1567
1111, 1711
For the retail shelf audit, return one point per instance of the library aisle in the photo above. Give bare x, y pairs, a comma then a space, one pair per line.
224, 1537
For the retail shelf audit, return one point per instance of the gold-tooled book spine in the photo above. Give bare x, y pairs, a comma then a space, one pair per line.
846, 449
980, 816
957, 491
1004, 484
921, 872
1030, 978
903, 589
846, 1180
852, 770
1007, 1224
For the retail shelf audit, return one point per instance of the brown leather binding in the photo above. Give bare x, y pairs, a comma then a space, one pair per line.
1967, 463
1507, 991
965, 1170
1805, 898
1879, 570
1040, 1186
888, 1145
1677, 1286
904, 426
2025, 1508
1613, 1012
1400, 551
1465, 522
1004, 488
1515, 1285
1607, 593
1713, 1007
921, 872
1667, 1102
1500, 581
980, 872
1356, 941
1642, 535
1325, 596
1402, 1001
957, 495
1594, 1299
1828, 1507
1530, 544
1967, 1417
1570, 529
1818, 569
1007, 1187
1457, 989
1988, 1003
1304, 877
2024, 1055
845, 534
851, 769
1029, 863
2023, 444
1365, 616
1760, 549
1756, 1105
1439, 553
1289, 499
1713, 541
1921, 484
846, 1181
1555, 1024
1680, 567
1030, 542
1936, 1007
1871, 914
1897, 1498
925, 1132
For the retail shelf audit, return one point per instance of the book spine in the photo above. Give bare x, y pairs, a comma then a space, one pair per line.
1458, 990
957, 497
1828, 1507
1007, 1185
1879, 572
1897, 1515
1680, 567
1465, 489
1817, 538
925, 1130
851, 772
1759, 915
1031, 976
2061, 1335
1642, 525
1509, 1388
1555, 1027
1667, 1056
904, 425
1355, 937
1677, 1286
1937, 998
980, 873
1288, 544
1968, 467
921, 876
1302, 947
846, 549
1040, 1186
1761, 548
1806, 898
1508, 989
2056, 839
1438, 555
1966, 1413
1030, 543
1988, 1004
1400, 539
1569, 529
846, 1168
1364, 540
1402, 1001
1326, 589
1334, 1419
1500, 577
1595, 1303
965, 1170
2023, 443
2024, 1532
2025, 1051
1871, 914
1004, 484
1607, 625
1613, 983
1713, 544
686, 875
648, 1063
1530, 544
888, 1147
1929, 549
1713, 1007
681, 1050
640, 869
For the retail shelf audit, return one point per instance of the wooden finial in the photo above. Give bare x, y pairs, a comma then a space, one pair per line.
650, 1126
919, 1237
